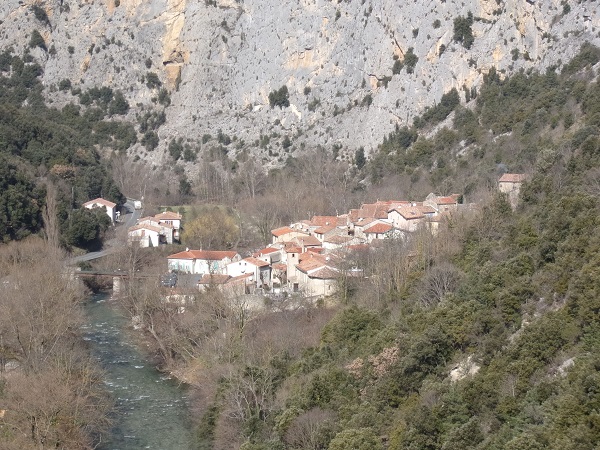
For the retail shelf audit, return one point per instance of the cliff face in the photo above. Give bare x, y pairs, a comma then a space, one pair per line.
221, 59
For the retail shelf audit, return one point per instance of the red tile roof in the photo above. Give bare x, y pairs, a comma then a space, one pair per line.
256, 262
446, 200
145, 226
100, 201
308, 241
265, 251
378, 228
279, 266
310, 264
325, 273
277, 232
325, 229
338, 239
208, 255
321, 221
409, 212
513, 178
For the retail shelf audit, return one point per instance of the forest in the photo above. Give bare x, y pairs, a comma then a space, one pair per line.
485, 336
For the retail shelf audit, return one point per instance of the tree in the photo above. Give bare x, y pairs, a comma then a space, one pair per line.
356, 439
462, 30
214, 229
85, 227
359, 158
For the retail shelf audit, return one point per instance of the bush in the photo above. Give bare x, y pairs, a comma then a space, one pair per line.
37, 40
410, 60
40, 14
152, 81
463, 32
280, 97
64, 85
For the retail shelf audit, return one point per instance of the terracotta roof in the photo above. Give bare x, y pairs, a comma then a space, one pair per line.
240, 278
325, 273
325, 229
378, 228
308, 241
279, 266
409, 212
322, 221
338, 239
215, 278
513, 178
144, 226
293, 249
256, 262
266, 251
310, 264
281, 231
446, 200
208, 255
168, 215
100, 201
365, 221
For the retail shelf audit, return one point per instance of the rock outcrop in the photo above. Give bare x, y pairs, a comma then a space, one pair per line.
221, 58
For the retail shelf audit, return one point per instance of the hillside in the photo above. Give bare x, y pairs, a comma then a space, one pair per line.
484, 336
353, 70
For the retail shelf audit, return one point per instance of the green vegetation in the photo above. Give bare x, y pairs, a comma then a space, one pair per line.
37, 40
510, 295
59, 146
279, 97
463, 32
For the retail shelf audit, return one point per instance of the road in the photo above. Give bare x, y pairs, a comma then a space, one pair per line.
126, 220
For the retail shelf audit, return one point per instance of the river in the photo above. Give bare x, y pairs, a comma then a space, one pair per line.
151, 408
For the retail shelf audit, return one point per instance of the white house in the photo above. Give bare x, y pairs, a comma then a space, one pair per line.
201, 261
171, 219
146, 235
102, 203
260, 270
378, 231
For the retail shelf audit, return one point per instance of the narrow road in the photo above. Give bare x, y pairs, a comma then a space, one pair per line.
127, 220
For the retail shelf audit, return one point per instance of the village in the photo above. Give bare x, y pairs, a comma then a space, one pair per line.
306, 257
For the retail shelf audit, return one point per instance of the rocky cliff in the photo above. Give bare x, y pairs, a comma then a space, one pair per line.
343, 62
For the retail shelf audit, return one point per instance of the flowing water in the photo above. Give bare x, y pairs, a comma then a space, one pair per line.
151, 409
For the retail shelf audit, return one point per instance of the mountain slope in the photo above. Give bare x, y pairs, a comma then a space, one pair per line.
341, 62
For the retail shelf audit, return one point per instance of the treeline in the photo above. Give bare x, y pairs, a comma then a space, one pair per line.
485, 336
42, 146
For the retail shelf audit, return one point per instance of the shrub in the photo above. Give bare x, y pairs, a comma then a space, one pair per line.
152, 81
462, 30
64, 85
279, 97
37, 40
40, 14
410, 60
